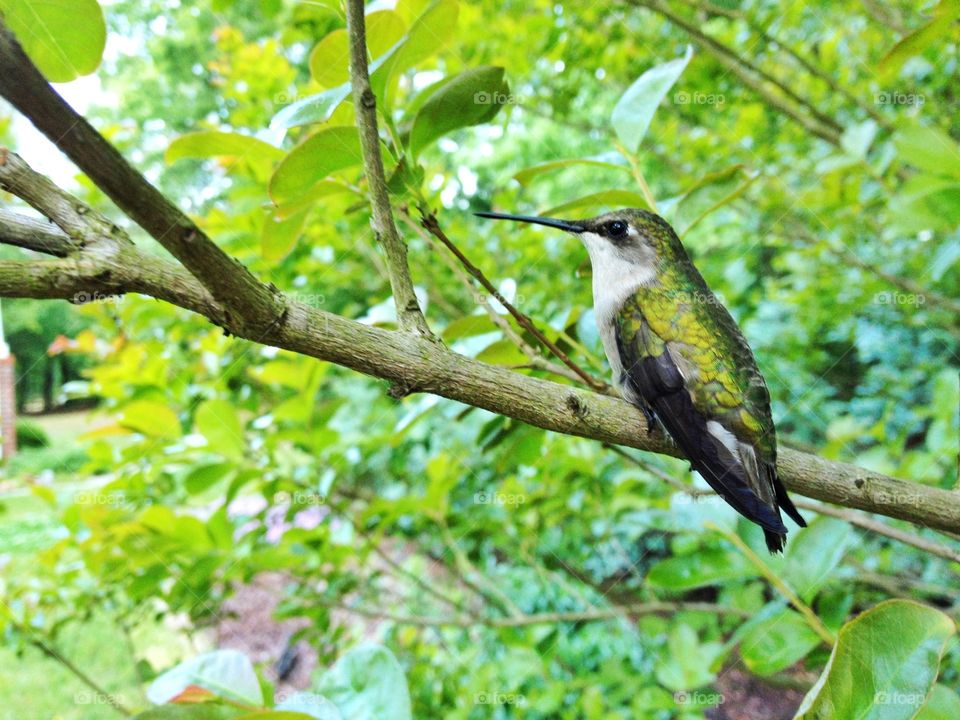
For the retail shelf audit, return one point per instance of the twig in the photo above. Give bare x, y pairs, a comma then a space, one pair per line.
102, 695
537, 361
753, 77
409, 316
430, 223
34, 234
595, 614
809, 615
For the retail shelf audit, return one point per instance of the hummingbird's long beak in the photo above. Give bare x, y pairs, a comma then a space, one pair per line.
549, 222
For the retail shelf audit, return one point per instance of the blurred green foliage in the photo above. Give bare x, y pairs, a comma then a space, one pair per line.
838, 257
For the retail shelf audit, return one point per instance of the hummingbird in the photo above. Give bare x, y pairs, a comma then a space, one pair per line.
678, 355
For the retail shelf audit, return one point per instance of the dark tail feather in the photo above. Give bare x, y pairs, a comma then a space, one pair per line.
783, 500
774, 540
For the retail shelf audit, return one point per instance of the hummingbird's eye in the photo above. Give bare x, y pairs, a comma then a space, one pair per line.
617, 228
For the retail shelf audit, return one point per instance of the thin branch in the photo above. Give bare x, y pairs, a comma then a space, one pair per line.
250, 304
537, 361
617, 612
409, 316
430, 223
815, 623
807, 64
34, 234
754, 77
881, 528
102, 695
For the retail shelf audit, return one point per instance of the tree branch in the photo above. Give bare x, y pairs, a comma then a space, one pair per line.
409, 316
420, 364
33, 234
250, 304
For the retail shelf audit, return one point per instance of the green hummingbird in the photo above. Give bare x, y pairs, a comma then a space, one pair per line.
678, 355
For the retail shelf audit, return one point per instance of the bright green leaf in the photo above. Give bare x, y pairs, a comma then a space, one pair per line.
212, 143
367, 682
328, 151
151, 418
942, 704
883, 665
527, 174
226, 673
313, 109
614, 199
634, 111
704, 567
471, 98
929, 149
280, 234
64, 38
777, 643
217, 421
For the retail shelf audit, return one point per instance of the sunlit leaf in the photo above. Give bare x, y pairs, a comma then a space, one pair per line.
472, 97
634, 111
884, 664
64, 38
326, 152
226, 673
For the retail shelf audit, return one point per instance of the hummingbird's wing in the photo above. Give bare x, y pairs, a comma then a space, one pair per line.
700, 380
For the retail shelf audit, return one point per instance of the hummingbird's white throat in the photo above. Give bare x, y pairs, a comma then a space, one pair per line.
617, 273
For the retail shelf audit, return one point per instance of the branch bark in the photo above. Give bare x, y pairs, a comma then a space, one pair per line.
409, 316
250, 304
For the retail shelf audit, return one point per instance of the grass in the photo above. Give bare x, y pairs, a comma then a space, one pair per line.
33, 685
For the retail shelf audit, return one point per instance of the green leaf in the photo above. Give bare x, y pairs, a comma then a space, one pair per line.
217, 421
928, 149
700, 568
944, 14
883, 665
614, 199
330, 59
151, 418
212, 143
527, 174
777, 643
280, 234
63, 38
367, 682
471, 98
942, 704
686, 663
328, 151
814, 553
634, 111
312, 109
227, 673
429, 32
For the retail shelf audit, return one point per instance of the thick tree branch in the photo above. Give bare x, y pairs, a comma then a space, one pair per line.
409, 316
419, 364
250, 304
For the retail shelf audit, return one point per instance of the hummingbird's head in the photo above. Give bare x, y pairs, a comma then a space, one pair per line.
630, 241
